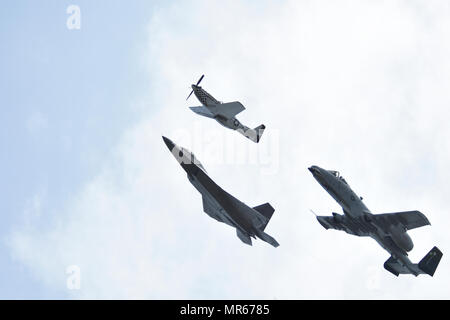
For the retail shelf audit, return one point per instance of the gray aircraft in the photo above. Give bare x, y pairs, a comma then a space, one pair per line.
388, 229
224, 113
220, 205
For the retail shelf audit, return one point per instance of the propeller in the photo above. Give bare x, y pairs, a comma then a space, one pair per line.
198, 82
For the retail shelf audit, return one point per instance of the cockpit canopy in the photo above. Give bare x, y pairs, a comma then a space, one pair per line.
337, 175
195, 160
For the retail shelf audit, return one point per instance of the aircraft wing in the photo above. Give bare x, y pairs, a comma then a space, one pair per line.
329, 222
227, 110
340, 222
207, 207
409, 219
203, 111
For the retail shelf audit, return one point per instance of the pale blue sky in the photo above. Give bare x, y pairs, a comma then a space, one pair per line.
64, 100
359, 87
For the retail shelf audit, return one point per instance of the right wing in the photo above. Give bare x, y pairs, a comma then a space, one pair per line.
227, 110
409, 219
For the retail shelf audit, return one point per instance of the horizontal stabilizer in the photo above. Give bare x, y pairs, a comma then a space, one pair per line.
430, 262
244, 238
265, 237
394, 267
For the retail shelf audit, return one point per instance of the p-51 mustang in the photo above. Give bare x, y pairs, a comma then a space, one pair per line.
388, 229
224, 113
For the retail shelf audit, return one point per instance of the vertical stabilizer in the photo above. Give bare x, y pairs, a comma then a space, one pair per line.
430, 262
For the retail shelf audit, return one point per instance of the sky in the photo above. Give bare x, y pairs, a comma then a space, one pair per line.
90, 192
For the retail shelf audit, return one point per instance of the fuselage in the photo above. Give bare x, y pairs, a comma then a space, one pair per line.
358, 217
225, 208
204, 97
339, 189
208, 100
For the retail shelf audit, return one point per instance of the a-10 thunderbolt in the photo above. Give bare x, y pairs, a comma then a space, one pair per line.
224, 113
388, 229
222, 206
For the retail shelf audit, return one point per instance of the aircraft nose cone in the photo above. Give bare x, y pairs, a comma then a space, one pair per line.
168, 143
314, 170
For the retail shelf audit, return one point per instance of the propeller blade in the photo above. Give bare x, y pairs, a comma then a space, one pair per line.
200, 80
189, 95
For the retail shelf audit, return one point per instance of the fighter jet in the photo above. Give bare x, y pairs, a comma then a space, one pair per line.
388, 229
224, 113
220, 205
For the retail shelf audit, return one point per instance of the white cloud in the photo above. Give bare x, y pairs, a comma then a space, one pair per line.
358, 87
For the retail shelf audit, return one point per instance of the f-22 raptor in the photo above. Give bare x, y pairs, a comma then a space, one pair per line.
388, 229
224, 113
220, 205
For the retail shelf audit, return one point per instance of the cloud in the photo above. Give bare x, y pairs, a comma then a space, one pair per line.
358, 87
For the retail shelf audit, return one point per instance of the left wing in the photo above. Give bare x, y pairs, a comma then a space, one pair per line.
343, 223
203, 111
409, 219
227, 110
207, 207
331, 222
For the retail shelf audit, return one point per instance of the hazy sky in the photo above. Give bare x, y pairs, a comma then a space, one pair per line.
87, 182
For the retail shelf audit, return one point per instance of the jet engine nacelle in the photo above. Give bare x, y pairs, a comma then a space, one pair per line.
401, 238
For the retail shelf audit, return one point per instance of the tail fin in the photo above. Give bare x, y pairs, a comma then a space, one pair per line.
259, 132
430, 262
267, 211
252, 134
